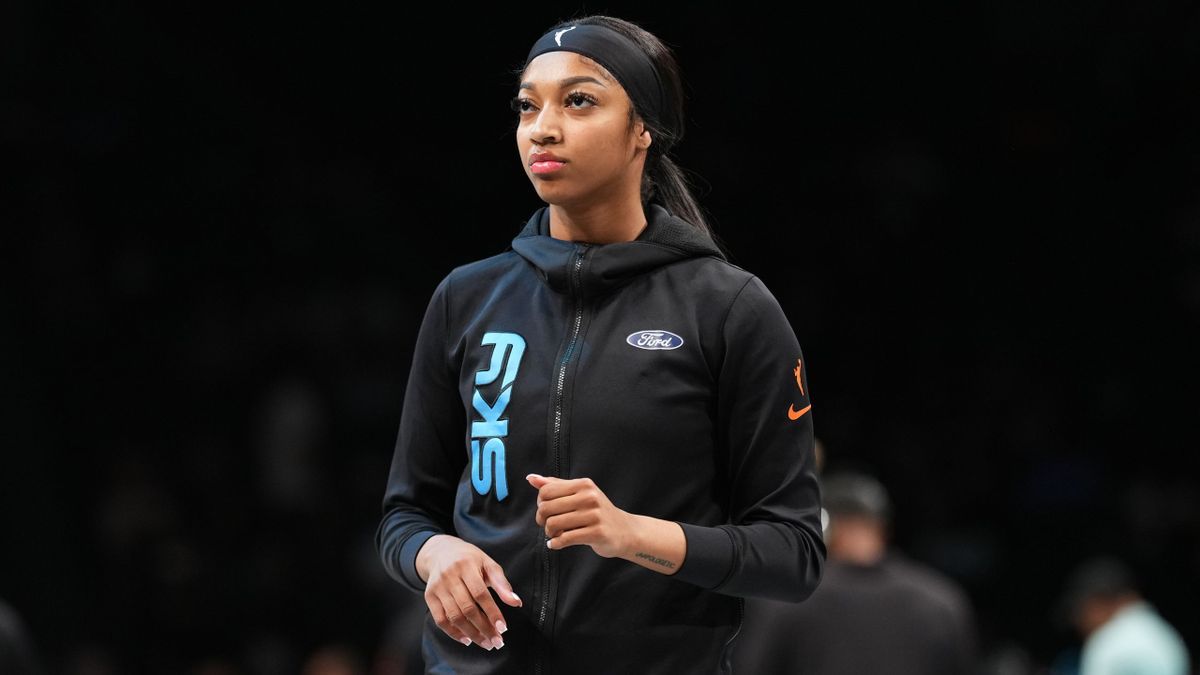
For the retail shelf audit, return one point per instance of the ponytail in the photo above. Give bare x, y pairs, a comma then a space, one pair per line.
664, 182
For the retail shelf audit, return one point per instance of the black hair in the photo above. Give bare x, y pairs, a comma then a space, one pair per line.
663, 181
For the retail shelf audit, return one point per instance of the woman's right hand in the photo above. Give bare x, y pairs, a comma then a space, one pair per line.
457, 576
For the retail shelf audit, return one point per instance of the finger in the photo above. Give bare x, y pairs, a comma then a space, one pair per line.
536, 480
438, 612
580, 535
553, 507
483, 598
457, 621
560, 487
551, 483
578, 501
556, 525
494, 575
471, 619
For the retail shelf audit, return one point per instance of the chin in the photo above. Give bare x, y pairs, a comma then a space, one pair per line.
553, 194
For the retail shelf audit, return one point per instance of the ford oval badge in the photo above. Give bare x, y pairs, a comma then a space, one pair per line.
654, 339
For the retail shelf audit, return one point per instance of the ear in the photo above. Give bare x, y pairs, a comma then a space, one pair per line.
644, 137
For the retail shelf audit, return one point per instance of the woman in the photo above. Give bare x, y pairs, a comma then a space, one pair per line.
606, 441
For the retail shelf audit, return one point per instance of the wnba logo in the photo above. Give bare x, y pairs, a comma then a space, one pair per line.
487, 462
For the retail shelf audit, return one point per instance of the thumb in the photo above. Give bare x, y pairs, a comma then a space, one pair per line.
497, 580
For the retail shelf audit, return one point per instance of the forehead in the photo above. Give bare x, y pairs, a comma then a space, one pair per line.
546, 70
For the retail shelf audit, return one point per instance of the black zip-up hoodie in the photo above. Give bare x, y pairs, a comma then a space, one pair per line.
670, 377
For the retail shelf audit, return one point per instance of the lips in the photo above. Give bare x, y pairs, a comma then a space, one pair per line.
545, 157
545, 162
546, 167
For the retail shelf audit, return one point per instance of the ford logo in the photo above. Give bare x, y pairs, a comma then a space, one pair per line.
654, 339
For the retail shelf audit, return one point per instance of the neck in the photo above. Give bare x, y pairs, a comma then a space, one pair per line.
603, 223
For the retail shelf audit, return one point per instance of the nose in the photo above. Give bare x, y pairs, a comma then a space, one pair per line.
545, 127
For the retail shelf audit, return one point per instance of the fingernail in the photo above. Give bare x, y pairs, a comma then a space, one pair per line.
486, 644
548, 543
518, 598
501, 627
498, 642
465, 640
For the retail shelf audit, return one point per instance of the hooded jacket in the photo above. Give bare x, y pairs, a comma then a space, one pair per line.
670, 377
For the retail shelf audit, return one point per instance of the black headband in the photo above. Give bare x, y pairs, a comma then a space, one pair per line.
621, 57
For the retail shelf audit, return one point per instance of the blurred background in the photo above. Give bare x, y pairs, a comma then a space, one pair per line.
222, 225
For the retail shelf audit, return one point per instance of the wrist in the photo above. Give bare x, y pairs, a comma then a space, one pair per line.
655, 544
634, 535
425, 555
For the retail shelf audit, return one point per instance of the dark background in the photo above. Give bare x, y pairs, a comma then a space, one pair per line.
222, 226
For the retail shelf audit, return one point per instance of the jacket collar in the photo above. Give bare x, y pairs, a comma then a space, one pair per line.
665, 239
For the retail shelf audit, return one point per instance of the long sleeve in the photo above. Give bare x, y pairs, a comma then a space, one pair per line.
429, 456
772, 546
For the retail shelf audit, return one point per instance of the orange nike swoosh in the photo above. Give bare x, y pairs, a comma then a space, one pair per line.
797, 414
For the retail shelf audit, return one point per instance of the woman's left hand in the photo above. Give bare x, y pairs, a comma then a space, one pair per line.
575, 511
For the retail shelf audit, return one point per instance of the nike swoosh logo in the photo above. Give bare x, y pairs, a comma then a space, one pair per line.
794, 414
558, 35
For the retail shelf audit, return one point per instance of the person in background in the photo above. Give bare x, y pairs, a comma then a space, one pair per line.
876, 610
1122, 632
334, 659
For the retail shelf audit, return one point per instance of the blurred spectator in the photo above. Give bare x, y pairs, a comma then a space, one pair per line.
819, 455
18, 656
334, 659
1008, 657
876, 611
399, 650
1122, 632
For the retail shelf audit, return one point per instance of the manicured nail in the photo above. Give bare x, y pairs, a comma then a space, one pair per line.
497, 642
548, 543
465, 640
518, 598
501, 627
486, 644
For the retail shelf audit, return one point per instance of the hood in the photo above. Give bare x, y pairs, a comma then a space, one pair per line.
665, 239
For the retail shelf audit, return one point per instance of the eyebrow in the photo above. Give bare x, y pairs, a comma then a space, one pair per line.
568, 82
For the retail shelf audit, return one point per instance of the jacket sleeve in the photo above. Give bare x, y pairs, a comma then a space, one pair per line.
428, 459
772, 546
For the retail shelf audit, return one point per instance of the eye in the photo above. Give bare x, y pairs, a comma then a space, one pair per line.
579, 96
518, 104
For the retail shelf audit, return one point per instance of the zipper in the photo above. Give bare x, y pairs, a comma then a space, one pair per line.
741, 618
558, 406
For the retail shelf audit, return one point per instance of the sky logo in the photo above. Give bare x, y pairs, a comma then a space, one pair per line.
487, 461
